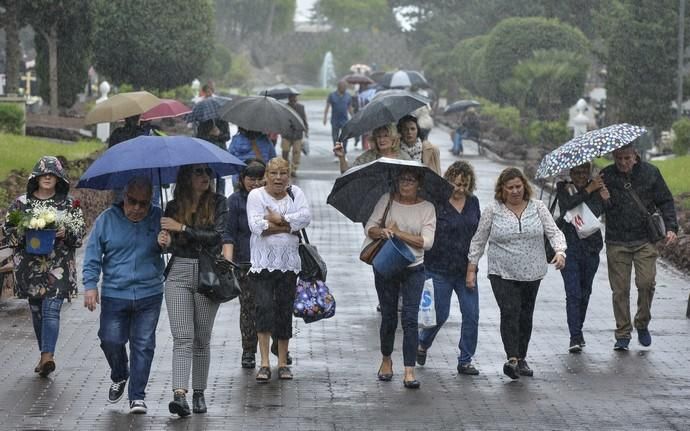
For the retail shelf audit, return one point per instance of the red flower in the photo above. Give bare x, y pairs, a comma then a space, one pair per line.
76, 203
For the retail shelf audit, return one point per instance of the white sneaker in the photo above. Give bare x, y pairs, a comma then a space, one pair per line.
137, 407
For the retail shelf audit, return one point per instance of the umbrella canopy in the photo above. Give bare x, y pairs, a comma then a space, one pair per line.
360, 68
121, 106
262, 114
382, 110
207, 109
404, 79
279, 92
155, 157
587, 147
356, 192
460, 106
168, 108
357, 78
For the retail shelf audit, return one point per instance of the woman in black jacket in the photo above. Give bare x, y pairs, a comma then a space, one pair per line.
583, 253
194, 220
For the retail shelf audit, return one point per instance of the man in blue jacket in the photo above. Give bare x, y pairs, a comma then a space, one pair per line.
123, 247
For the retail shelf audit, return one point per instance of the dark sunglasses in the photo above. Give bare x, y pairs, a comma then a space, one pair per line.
202, 171
135, 202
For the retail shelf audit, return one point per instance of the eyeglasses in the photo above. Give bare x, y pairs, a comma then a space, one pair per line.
407, 180
202, 171
135, 202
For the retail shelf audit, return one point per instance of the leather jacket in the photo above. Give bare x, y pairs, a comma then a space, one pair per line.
189, 243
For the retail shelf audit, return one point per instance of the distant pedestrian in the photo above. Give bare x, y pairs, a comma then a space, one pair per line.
627, 242
412, 220
386, 143
131, 129
417, 148
446, 265
514, 226
194, 223
468, 128
293, 142
124, 251
275, 213
340, 102
46, 279
236, 249
583, 254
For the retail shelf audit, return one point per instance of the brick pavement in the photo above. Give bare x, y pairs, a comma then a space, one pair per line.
335, 386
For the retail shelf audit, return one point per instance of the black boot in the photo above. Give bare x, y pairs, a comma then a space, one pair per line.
198, 402
179, 405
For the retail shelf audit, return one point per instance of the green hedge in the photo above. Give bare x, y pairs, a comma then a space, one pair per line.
681, 142
516, 39
11, 118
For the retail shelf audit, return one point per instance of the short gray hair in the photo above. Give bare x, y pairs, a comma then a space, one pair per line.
141, 183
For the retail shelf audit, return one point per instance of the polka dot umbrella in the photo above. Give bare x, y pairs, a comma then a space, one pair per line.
587, 147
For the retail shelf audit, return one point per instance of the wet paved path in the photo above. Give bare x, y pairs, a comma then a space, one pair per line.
335, 386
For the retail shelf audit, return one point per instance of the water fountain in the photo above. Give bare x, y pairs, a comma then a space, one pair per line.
327, 73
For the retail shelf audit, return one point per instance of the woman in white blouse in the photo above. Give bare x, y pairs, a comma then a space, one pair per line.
275, 213
514, 225
413, 220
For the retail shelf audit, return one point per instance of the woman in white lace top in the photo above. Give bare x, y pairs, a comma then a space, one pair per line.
514, 225
275, 213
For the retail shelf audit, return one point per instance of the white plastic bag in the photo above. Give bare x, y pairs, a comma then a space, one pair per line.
583, 219
427, 306
305, 146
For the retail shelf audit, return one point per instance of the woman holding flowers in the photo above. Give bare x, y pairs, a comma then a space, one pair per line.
46, 279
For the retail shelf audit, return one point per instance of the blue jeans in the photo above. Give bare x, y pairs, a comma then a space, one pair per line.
578, 276
408, 283
45, 315
135, 321
457, 142
444, 286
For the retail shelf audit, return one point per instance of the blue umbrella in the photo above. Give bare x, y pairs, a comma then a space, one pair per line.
155, 157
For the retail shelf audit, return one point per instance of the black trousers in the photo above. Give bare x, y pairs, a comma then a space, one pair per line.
274, 293
516, 301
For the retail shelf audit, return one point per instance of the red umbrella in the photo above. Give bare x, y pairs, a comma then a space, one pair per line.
168, 108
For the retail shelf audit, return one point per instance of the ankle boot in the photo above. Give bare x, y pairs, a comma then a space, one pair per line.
198, 402
179, 405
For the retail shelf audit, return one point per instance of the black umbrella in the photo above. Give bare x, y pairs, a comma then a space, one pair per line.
356, 192
460, 106
263, 114
381, 111
404, 79
280, 92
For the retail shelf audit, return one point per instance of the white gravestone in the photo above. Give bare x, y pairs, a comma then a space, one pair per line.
103, 129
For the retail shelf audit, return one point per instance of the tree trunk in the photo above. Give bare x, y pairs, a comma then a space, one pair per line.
12, 48
52, 40
269, 22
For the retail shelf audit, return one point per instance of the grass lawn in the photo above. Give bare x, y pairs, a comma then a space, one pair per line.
676, 172
22, 152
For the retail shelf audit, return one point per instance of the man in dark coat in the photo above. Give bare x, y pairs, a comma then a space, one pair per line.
294, 140
627, 240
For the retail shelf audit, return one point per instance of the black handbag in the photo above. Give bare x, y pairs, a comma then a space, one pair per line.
217, 279
313, 265
550, 252
656, 228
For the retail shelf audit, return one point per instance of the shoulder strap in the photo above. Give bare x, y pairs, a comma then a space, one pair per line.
552, 208
385, 213
636, 198
302, 234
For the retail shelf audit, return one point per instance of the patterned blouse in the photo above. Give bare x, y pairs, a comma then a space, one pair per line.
277, 252
516, 245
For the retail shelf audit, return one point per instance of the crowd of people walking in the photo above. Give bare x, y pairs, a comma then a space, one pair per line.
257, 229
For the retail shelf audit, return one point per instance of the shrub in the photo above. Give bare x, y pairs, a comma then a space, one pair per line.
505, 116
548, 134
11, 118
516, 39
681, 142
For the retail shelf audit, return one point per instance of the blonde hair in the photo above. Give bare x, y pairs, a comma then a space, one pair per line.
277, 163
392, 130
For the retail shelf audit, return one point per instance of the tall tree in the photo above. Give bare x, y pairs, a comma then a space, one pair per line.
240, 19
356, 14
640, 55
10, 21
155, 44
